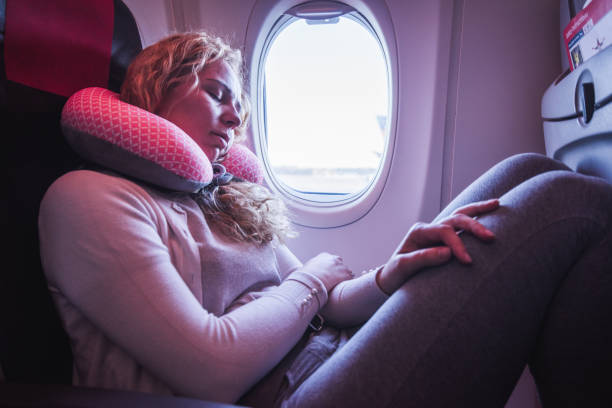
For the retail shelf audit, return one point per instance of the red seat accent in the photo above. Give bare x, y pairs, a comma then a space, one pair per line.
58, 46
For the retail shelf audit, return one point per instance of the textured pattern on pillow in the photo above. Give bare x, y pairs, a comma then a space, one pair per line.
241, 162
133, 141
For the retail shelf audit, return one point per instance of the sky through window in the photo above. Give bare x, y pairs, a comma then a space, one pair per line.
326, 106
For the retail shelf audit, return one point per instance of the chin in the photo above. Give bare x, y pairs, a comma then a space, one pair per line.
211, 152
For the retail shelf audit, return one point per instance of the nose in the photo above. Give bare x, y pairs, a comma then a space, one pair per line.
231, 117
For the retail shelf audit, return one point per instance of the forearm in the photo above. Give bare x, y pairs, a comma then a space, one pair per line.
352, 302
162, 327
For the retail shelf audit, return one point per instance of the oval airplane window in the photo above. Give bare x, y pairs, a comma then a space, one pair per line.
323, 107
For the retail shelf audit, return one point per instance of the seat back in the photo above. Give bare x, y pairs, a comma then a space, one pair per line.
37, 53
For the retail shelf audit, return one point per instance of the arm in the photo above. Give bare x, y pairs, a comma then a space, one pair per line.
101, 246
351, 302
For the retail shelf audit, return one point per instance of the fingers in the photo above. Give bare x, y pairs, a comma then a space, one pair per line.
422, 236
401, 266
449, 237
425, 235
466, 223
447, 232
422, 258
478, 208
409, 264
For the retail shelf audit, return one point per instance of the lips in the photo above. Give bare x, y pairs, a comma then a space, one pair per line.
223, 139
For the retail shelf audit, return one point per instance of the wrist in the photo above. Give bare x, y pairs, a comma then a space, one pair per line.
379, 281
316, 287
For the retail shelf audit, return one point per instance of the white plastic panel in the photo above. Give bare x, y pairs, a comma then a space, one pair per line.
583, 143
559, 98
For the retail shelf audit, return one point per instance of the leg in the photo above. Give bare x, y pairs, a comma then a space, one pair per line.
572, 362
502, 177
460, 336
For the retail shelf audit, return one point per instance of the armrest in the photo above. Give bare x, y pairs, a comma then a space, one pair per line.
60, 396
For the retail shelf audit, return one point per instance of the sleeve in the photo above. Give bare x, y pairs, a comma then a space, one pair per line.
350, 303
354, 301
101, 246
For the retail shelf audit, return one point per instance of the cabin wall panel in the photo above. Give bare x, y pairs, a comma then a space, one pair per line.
158, 18
508, 55
153, 17
228, 21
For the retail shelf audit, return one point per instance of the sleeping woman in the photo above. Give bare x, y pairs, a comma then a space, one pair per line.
197, 295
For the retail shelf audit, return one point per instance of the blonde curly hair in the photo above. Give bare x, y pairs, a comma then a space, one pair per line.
175, 60
241, 210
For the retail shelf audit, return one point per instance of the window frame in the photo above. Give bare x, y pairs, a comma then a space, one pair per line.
306, 210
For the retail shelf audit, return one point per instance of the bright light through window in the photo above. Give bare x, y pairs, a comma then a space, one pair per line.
326, 106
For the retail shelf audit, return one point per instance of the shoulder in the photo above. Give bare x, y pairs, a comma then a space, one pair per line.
84, 182
89, 217
87, 193
89, 186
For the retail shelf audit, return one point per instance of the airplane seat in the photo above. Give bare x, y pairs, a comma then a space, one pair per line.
43, 50
577, 116
48, 51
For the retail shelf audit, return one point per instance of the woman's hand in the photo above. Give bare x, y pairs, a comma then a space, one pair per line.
329, 268
434, 244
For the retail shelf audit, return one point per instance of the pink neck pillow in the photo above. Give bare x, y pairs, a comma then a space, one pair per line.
139, 144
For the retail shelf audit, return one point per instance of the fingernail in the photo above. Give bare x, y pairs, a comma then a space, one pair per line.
468, 258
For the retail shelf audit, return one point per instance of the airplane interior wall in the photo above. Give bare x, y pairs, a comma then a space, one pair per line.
505, 56
470, 81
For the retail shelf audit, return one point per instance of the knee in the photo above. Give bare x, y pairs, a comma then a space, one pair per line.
534, 162
572, 183
569, 189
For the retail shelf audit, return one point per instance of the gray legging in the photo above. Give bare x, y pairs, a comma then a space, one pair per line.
460, 336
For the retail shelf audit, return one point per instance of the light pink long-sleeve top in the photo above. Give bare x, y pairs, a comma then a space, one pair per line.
154, 299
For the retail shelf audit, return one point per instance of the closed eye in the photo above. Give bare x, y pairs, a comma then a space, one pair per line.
221, 93
215, 94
